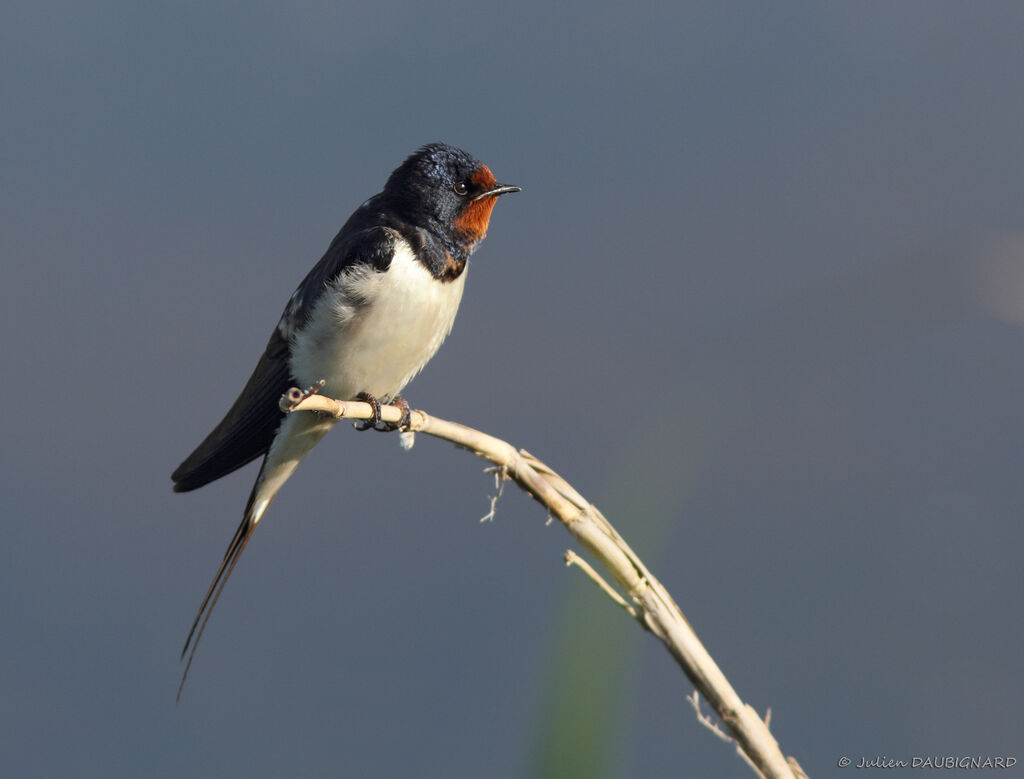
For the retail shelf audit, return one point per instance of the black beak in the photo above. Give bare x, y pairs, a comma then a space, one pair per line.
498, 189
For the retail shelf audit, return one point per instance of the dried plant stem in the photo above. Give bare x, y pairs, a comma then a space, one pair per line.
652, 605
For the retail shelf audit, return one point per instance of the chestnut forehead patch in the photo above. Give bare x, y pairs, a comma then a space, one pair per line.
483, 177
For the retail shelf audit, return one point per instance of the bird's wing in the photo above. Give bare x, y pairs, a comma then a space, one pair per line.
252, 423
248, 428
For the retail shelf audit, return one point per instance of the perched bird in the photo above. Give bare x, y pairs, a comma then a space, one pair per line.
364, 321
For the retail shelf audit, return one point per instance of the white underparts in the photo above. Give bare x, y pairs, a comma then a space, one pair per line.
372, 331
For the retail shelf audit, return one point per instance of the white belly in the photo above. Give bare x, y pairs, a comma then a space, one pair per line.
372, 332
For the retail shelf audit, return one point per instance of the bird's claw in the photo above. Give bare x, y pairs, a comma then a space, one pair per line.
375, 422
403, 421
372, 422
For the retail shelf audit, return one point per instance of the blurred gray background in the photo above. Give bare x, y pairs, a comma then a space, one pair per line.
761, 300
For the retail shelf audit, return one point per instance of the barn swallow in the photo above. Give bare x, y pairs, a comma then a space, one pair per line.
364, 321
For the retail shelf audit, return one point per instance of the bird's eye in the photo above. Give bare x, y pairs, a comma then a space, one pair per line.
461, 188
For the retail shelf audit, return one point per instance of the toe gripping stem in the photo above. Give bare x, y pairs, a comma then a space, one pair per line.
366, 424
375, 421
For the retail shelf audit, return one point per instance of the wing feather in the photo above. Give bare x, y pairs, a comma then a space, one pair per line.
248, 428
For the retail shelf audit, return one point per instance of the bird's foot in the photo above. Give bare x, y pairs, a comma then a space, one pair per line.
372, 422
375, 421
403, 421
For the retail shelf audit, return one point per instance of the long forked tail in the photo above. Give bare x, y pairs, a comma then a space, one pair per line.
253, 514
298, 434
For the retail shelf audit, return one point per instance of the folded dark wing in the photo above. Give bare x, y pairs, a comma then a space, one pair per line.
249, 426
248, 429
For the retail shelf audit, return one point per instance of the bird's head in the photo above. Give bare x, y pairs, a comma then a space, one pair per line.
448, 189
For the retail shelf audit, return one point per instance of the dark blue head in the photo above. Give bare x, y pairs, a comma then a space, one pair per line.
447, 190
